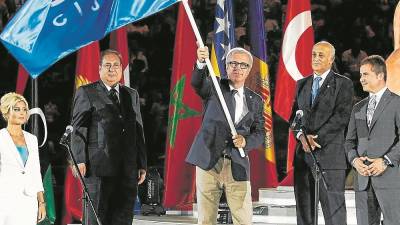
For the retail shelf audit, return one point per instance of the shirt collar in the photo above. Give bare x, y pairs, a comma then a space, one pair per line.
323, 76
109, 88
240, 90
378, 94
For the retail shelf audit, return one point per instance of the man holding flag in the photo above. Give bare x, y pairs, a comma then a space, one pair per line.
219, 166
108, 143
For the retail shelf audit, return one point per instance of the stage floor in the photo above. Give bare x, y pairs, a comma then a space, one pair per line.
166, 219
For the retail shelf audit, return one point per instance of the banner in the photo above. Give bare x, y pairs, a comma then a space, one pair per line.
44, 31
294, 64
22, 79
119, 42
184, 120
87, 71
224, 35
262, 161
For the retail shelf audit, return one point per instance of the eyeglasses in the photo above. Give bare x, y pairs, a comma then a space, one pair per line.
18, 109
242, 65
108, 66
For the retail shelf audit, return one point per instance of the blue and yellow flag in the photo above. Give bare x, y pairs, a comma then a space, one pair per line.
224, 35
44, 31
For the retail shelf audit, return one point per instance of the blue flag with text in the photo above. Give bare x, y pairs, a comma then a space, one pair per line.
44, 31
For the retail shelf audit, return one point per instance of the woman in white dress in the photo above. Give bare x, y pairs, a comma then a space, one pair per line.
21, 188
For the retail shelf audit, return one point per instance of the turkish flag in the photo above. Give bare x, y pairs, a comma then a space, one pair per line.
294, 62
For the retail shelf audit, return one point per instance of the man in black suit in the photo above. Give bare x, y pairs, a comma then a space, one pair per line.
219, 166
326, 100
108, 142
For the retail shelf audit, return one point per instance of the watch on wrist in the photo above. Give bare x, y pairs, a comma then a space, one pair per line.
386, 162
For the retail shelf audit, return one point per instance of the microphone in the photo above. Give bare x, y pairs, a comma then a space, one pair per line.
68, 131
297, 119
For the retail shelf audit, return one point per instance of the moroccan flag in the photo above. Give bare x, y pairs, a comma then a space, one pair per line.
119, 42
263, 164
294, 64
22, 79
184, 120
224, 35
87, 71
45, 31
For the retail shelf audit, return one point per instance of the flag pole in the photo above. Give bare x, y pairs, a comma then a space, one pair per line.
211, 71
34, 126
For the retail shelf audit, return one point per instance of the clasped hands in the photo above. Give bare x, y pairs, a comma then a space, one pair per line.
375, 168
311, 140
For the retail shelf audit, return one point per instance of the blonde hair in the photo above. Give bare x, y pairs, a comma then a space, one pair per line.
8, 101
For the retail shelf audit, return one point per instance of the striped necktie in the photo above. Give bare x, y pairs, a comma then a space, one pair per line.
371, 109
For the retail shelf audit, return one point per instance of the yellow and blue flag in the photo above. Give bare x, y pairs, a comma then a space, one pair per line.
224, 35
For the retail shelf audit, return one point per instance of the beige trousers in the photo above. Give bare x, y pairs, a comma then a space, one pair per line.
210, 185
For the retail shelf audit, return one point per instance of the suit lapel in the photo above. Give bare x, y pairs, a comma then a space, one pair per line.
385, 99
328, 83
10, 146
125, 101
29, 146
306, 92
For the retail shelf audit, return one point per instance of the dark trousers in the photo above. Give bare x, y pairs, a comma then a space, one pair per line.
113, 198
332, 200
371, 202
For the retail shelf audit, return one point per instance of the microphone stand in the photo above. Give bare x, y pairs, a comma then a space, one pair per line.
318, 175
86, 199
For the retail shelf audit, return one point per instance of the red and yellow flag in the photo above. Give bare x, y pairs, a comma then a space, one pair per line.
263, 164
87, 71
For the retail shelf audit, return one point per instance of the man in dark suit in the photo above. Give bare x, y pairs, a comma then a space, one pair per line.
108, 142
325, 98
373, 149
214, 151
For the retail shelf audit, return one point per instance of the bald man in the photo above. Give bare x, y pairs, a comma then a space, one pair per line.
325, 98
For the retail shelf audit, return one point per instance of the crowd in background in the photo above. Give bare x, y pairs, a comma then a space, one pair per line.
357, 28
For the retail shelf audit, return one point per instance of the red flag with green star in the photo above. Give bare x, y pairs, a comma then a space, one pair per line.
184, 120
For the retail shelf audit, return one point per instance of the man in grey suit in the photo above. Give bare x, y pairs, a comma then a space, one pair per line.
108, 143
372, 146
214, 151
325, 99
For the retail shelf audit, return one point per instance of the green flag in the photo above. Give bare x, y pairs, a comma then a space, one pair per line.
49, 198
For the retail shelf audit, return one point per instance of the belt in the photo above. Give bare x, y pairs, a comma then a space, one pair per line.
226, 156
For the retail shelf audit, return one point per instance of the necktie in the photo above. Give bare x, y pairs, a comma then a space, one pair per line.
114, 96
315, 88
233, 93
370, 109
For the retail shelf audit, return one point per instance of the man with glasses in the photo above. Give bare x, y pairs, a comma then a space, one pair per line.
108, 143
325, 98
214, 152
